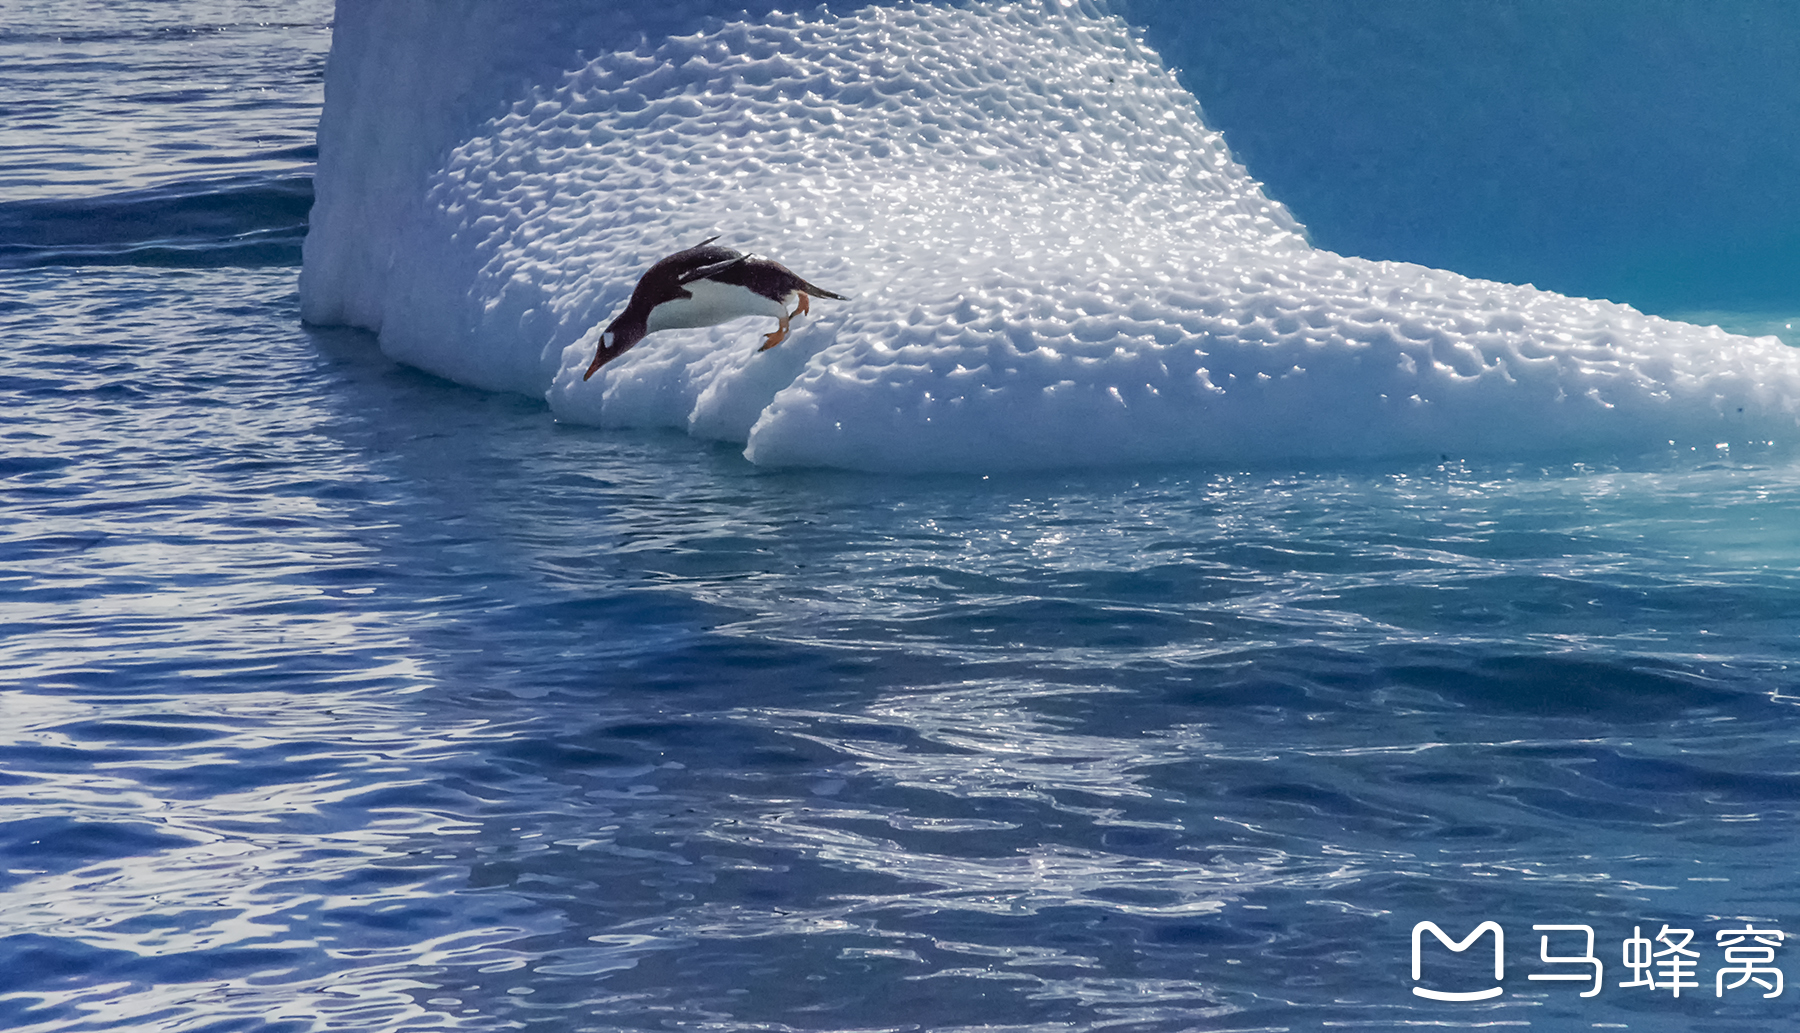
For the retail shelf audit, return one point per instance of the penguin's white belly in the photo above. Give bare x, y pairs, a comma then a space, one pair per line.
712, 303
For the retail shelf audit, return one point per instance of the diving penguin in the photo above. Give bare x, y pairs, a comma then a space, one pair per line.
703, 286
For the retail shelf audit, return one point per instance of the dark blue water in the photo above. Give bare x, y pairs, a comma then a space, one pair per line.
333, 695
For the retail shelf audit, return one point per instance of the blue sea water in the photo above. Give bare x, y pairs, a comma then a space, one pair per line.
333, 695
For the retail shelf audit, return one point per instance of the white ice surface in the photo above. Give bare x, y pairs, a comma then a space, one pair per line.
1050, 259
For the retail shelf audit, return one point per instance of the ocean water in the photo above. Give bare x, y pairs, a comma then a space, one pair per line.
335, 695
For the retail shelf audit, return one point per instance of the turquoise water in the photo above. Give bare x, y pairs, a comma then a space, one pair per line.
338, 695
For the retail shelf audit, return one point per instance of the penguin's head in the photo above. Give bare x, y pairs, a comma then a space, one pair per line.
615, 341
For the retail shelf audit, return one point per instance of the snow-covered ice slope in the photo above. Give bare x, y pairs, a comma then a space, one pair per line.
1050, 259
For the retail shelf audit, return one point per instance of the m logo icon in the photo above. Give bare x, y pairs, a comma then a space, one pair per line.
1459, 946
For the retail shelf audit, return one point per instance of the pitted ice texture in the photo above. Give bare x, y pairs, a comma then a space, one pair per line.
1050, 261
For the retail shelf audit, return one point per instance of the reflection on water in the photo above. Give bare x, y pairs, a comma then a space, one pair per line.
345, 696
108, 97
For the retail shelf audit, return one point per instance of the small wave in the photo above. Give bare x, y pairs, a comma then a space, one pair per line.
70, 33
206, 223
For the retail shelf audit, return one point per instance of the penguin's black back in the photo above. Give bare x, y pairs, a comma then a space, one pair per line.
663, 281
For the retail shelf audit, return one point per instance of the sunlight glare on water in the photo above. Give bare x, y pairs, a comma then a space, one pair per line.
343, 690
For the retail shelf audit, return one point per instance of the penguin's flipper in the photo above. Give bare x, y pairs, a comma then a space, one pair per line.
707, 272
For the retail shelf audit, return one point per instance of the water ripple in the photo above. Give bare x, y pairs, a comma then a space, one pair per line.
335, 695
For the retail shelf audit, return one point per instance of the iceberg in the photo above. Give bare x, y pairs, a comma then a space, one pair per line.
1050, 258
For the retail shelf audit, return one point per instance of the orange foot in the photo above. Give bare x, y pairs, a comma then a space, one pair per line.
781, 332
780, 335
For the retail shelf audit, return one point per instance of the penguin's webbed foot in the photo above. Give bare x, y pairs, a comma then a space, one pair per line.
781, 332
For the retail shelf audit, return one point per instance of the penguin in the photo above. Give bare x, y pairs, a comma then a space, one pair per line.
703, 286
